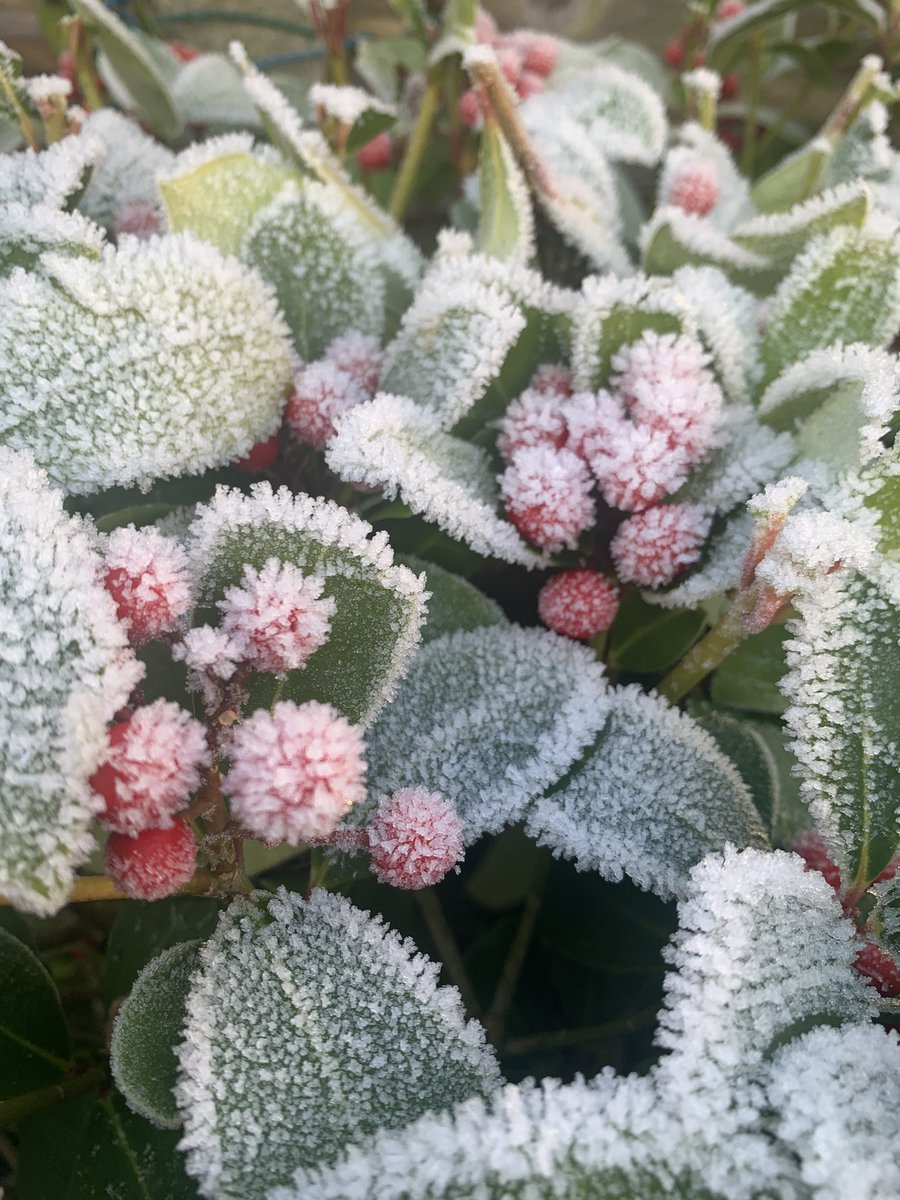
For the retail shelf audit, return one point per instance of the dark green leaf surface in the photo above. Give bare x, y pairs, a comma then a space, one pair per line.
34, 1040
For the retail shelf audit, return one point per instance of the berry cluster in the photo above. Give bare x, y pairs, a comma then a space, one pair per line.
526, 60
676, 55
345, 376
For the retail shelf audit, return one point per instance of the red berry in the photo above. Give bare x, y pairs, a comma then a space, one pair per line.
578, 604
728, 9
540, 52
530, 84
377, 154
485, 27
699, 58
470, 108
879, 968
415, 838
695, 189
731, 87
261, 457
652, 547
322, 391
147, 577
154, 864
674, 52
547, 493
184, 51
811, 847
510, 61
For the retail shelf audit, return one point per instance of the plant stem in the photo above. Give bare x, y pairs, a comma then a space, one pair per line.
14, 1110
25, 122
415, 150
87, 888
707, 654
748, 151
559, 1039
448, 950
488, 75
495, 1020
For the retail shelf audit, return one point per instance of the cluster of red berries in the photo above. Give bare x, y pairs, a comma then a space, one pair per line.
675, 53
526, 60
875, 964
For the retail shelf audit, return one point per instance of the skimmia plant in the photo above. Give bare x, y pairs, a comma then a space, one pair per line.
467, 473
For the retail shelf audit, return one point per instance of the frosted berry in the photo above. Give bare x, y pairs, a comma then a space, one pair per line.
261, 457
540, 53
470, 108
415, 838
154, 864
322, 391
552, 379
377, 154
636, 466
653, 547
728, 9
694, 189
359, 354
139, 219
151, 766
295, 771
578, 604
534, 419
485, 27
146, 574
812, 849
879, 968
591, 418
509, 59
529, 84
674, 52
731, 87
278, 616
547, 494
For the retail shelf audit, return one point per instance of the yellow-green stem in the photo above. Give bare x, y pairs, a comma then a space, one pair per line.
25, 122
14, 1110
709, 653
415, 151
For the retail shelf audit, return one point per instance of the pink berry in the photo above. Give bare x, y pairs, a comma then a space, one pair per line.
578, 604
653, 547
695, 189
812, 849
154, 864
879, 968
278, 618
728, 9
553, 379
529, 84
359, 354
151, 767
547, 494
322, 391
509, 59
139, 219
485, 27
591, 418
146, 574
295, 771
540, 53
534, 419
636, 466
415, 838
377, 154
261, 457
470, 108
674, 52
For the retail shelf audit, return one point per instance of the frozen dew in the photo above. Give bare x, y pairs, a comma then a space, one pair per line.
52, 176
147, 576
322, 391
651, 548
547, 493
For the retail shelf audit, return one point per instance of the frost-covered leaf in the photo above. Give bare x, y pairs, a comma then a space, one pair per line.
209, 91
888, 913
161, 358
489, 718
394, 444
309, 1024
651, 797
644, 640
54, 176
749, 751
148, 1025
506, 224
453, 602
673, 238
136, 69
613, 313
792, 180
840, 401
28, 231
725, 317
34, 1039
380, 606
126, 174
781, 236
748, 679
361, 115
843, 685
717, 572
752, 456
864, 150
64, 671
844, 287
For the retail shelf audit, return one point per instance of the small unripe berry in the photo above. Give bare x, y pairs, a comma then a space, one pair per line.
415, 838
146, 574
879, 968
470, 108
322, 391
154, 864
653, 547
728, 9
540, 53
578, 604
261, 457
695, 189
377, 154
674, 52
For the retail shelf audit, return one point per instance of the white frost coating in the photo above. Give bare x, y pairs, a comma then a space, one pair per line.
42, 89
456, 256
452, 342
786, 231
847, 1144
128, 170
810, 546
489, 718
29, 230
160, 358
316, 535
394, 444
50, 176
753, 456
719, 573
347, 104
65, 669
654, 795
514, 189
726, 317
309, 1023
703, 80
777, 499
697, 236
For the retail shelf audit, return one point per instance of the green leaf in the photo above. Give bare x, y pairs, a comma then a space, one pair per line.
323, 1024
27, 232
675, 239
843, 684
728, 39
380, 606
739, 741
209, 92
147, 1028
505, 871
135, 67
454, 603
887, 913
384, 61
34, 1038
782, 236
793, 179
748, 678
46, 1176
646, 639
143, 929
124, 1157
367, 126
506, 224
881, 492
844, 287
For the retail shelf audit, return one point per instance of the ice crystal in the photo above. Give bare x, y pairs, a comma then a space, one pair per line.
147, 576
346, 104
651, 798
322, 391
726, 319
415, 838
489, 718
673, 238
52, 176
636, 465
782, 235
533, 419
652, 547
547, 494
126, 174
719, 572
380, 606
394, 444
308, 1024
295, 771
811, 546
752, 457
28, 231
211, 657
64, 671
171, 358
360, 355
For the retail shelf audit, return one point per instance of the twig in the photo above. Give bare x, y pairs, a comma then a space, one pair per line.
448, 950
559, 1039
495, 1020
415, 150
13, 1111
97, 887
